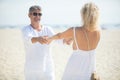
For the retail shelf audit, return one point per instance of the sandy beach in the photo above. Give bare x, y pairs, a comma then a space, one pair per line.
12, 55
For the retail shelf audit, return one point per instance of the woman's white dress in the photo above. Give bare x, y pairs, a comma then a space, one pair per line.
80, 65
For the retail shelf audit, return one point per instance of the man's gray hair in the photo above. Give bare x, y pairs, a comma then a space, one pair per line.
33, 8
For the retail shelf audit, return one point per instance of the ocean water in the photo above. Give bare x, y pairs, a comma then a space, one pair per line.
64, 26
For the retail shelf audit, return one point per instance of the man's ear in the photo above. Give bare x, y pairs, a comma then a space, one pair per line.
28, 14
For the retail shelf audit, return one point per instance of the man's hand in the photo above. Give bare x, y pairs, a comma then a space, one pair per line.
43, 39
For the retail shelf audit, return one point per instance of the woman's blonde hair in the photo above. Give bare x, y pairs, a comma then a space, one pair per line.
90, 14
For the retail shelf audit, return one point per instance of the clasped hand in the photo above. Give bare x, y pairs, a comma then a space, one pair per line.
44, 40
47, 40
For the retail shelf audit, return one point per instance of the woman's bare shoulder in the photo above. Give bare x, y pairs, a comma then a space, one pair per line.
98, 31
79, 28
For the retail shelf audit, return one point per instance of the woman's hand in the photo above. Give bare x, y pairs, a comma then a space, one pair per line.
49, 40
68, 41
43, 39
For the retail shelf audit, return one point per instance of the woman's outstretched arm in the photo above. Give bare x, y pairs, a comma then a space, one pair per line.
63, 35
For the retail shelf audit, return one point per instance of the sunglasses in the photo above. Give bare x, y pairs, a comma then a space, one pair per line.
37, 14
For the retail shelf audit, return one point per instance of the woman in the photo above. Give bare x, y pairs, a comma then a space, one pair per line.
81, 64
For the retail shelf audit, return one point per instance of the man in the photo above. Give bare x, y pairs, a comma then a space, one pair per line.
38, 63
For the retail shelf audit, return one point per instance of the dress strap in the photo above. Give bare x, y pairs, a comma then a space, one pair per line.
75, 38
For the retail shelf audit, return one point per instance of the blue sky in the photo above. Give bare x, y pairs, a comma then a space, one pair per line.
14, 12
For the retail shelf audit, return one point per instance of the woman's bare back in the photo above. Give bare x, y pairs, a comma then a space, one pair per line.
86, 40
